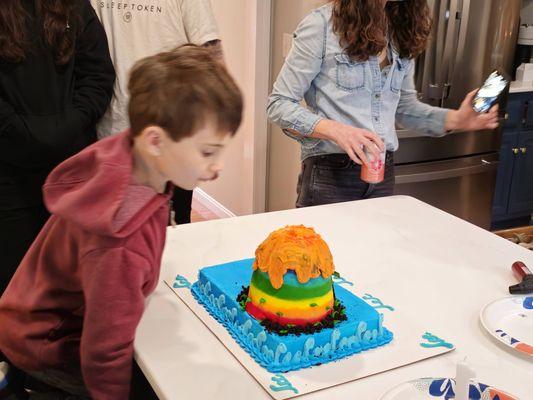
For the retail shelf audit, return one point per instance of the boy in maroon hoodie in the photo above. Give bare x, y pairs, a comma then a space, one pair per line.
69, 315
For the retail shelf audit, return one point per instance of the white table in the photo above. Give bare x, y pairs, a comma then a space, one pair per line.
439, 268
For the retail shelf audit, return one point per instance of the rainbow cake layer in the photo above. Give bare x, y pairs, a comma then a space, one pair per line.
294, 303
283, 307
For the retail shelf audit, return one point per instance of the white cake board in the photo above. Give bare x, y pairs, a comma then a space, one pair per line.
404, 349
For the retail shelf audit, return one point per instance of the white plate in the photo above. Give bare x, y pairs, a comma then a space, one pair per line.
510, 320
442, 388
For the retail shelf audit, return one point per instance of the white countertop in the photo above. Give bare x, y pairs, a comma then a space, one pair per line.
520, 87
441, 269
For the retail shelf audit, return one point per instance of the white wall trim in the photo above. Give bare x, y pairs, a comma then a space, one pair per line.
262, 90
211, 204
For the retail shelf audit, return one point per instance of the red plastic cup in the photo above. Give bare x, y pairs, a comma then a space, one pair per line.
375, 171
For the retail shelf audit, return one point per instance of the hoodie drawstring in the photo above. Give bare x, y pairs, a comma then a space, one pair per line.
172, 214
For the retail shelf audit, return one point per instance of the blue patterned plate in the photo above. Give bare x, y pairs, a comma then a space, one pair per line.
442, 388
510, 320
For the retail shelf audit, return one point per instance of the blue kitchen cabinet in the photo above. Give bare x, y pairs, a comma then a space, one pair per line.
521, 195
505, 175
514, 114
513, 195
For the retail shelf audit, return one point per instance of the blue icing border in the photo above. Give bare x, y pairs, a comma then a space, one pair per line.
286, 353
434, 341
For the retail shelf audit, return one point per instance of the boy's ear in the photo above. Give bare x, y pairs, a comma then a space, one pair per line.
152, 138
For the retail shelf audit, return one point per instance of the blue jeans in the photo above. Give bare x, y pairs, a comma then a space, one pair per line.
18, 229
335, 178
54, 384
69, 385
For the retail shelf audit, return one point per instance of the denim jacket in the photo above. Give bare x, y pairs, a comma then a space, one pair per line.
335, 87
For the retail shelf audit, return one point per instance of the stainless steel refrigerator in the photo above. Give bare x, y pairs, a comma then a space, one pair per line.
457, 172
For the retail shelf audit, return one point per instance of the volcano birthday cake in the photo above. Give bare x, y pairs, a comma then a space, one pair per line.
283, 306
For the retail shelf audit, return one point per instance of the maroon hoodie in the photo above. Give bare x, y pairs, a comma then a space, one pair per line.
78, 295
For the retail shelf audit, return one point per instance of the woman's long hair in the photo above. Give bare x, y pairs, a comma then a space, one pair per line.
364, 25
57, 19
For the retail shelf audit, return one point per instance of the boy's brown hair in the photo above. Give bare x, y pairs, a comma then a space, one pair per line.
179, 89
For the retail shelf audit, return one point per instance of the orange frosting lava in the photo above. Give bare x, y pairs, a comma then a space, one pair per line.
295, 248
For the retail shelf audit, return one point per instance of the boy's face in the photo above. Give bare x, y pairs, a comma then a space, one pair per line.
185, 163
193, 159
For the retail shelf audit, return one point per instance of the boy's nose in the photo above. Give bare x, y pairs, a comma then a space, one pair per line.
216, 167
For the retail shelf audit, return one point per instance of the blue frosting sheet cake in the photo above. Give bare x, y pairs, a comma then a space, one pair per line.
217, 289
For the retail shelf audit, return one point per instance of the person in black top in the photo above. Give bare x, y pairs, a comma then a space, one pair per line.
56, 81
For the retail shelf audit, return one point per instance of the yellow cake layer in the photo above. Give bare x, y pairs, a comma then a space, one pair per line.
292, 309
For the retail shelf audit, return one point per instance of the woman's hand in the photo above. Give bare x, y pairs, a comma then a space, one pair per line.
467, 119
350, 139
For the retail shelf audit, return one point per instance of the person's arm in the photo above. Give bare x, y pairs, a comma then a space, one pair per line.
35, 140
301, 67
413, 114
435, 121
94, 73
199, 21
467, 119
113, 280
201, 26
215, 47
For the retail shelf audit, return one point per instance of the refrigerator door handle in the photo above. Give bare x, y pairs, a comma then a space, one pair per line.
433, 79
444, 50
440, 42
438, 174
448, 58
463, 30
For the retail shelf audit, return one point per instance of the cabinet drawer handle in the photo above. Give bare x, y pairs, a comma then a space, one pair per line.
523, 150
515, 150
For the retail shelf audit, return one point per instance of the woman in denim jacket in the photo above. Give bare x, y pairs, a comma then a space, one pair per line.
352, 61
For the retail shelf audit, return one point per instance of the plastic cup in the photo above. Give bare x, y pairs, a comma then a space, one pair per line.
375, 171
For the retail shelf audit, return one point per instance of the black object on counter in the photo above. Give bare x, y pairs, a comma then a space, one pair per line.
525, 276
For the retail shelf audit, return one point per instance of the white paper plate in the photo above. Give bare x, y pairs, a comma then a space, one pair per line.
510, 320
442, 388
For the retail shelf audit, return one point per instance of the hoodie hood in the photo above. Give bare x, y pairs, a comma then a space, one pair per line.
95, 190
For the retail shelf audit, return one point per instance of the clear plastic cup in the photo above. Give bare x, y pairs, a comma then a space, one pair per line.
375, 171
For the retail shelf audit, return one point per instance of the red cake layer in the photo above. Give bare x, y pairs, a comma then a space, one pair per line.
259, 314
